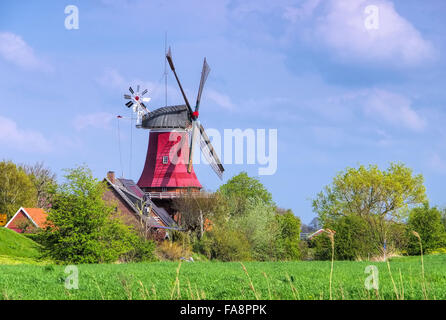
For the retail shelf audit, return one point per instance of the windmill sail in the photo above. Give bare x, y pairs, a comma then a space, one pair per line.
172, 67
204, 76
209, 153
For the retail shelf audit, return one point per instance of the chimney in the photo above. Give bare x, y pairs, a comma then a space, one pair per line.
111, 176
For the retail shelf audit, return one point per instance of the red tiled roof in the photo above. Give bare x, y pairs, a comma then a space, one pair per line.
38, 215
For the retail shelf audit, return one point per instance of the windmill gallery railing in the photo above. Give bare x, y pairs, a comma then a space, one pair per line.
175, 194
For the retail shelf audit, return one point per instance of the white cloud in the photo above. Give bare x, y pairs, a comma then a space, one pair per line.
220, 99
340, 26
98, 120
14, 49
392, 108
396, 39
385, 107
22, 139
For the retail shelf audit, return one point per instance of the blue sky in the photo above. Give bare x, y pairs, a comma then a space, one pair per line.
338, 94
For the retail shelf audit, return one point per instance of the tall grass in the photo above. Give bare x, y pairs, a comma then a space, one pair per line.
423, 284
330, 233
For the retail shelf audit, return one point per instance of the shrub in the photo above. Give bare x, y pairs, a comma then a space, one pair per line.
427, 221
259, 227
288, 244
227, 244
82, 227
351, 240
169, 250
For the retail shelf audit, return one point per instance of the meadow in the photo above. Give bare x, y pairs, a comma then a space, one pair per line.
218, 280
23, 275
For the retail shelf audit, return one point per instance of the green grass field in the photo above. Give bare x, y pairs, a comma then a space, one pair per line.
24, 276
217, 280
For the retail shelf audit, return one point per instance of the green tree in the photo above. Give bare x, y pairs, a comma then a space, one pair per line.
259, 226
240, 188
376, 196
226, 244
443, 217
16, 189
352, 240
82, 228
288, 236
427, 222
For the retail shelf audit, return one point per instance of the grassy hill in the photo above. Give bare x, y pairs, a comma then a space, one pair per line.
15, 248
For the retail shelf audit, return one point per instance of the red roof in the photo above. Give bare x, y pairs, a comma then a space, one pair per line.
38, 215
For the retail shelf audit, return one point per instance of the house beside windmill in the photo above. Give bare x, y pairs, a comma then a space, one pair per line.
27, 220
134, 208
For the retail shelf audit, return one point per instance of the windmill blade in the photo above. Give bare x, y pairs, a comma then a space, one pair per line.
169, 59
146, 99
209, 153
192, 145
144, 92
131, 90
127, 96
204, 76
137, 88
129, 104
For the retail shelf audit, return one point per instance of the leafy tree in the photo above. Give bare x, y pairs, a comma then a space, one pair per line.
352, 240
16, 189
426, 221
82, 228
225, 244
240, 188
376, 196
43, 179
443, 217
288, 236
197, 211
259, 226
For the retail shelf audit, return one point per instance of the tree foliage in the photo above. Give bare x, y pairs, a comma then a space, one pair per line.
240, 188
376, 196
16, 189
427, 222
82, 228
247, 226
288, 236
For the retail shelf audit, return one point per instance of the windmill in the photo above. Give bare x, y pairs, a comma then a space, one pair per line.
160, 173
136, 100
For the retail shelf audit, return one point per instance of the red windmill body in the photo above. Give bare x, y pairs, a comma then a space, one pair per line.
160, 173
168, 170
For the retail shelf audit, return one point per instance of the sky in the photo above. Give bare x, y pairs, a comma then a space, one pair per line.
339, 94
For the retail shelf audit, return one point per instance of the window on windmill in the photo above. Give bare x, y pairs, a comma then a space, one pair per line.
165, 159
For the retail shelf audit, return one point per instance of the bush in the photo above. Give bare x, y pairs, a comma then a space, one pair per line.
351, 240
427, 221
288, 244
82, 227
226, 244
168, 250
142, 250
259, 227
